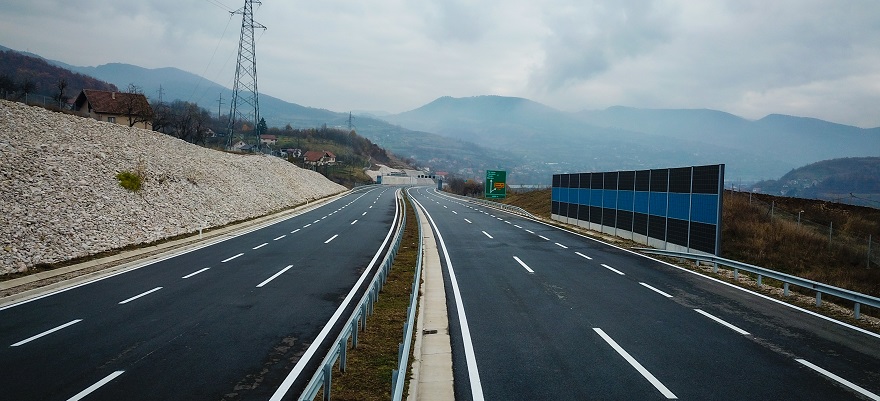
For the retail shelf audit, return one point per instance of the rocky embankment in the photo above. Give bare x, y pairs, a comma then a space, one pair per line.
60, 198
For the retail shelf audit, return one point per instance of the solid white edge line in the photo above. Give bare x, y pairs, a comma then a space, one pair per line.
331, 239
469, 355
259, 246
840, 380
276, 239
45, 333
722, 322
282, 389
523, 264
93, 387
228, 259
655, 290
487, 234
195, 272
583, 256
274, 276
561, 246
140, 295
641, 369
613, 269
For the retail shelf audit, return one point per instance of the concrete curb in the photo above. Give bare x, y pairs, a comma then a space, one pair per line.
37, 284
432, 377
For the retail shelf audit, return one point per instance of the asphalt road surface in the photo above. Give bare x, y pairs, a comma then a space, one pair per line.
227, 321
540, 313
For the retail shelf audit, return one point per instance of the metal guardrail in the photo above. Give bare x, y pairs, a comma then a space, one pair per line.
496, 205
398, 375
357, 321
857, 298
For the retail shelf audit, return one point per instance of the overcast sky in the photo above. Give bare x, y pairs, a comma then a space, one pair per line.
813, 58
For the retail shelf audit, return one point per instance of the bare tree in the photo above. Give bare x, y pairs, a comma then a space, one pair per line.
135, 106
60, 97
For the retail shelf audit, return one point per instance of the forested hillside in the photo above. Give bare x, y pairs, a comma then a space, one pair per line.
22, 74
855, 180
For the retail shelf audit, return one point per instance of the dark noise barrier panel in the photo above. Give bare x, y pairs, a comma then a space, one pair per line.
671, 208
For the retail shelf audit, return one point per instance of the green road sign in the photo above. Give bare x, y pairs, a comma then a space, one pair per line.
496, 184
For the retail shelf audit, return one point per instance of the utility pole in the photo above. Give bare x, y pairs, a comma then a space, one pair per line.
161, 92
219, 105
245, 88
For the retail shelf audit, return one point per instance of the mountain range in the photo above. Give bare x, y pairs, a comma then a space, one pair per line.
533, 141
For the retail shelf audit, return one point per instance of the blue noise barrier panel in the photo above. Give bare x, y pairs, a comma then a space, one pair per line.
670, 208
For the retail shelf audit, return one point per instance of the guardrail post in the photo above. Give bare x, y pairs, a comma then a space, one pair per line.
736, 274
355, 327
784, 289
818, 298
759, 281
343, 354
856, 310
328, 374
715, 267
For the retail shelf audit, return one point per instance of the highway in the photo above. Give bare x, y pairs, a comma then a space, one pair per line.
229, 321
541, 313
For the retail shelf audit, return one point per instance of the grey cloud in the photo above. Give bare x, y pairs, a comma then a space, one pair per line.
588, 38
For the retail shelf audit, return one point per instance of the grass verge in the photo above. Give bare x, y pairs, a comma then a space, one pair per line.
368, 373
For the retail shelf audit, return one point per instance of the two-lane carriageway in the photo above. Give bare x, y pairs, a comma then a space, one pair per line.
541, 313
229, 320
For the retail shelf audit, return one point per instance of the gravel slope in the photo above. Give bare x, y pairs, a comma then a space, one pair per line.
60, 199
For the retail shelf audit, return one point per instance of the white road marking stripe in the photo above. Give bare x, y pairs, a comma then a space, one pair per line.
274, 276
508, 222
641, 369
487, 234
517, 226
322, 218
93, 387
331, 239
195, 272
656, 290
228, 259
521, 263
530, 231
364, 214
454, 212
613, 269
370, 207
259, 246
276, 239
841, 380
583, 256
544, 238
561, 246
307, 225
294, 231
722, 322
140, 295
352, 223
47, 332
469, 222
316, 221
445, 207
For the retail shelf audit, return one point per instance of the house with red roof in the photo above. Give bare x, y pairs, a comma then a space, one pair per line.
130, 109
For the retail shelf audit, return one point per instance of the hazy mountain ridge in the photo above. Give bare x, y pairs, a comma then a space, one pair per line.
467, 135
853, 178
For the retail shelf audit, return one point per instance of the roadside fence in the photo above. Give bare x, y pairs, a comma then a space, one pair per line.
868, 245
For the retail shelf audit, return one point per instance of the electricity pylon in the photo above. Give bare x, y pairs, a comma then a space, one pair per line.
244, 90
